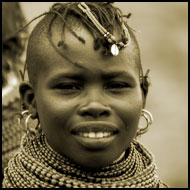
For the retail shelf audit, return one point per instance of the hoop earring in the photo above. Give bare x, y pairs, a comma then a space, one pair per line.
32, 132
149, 118
21, 116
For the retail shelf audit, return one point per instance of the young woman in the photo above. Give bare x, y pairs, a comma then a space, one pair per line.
87, 92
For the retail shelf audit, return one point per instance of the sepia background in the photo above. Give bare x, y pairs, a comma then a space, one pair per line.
162, 32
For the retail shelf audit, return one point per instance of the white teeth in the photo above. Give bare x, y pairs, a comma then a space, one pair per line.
106, 134
85, 134
95, 134
99, 135
91, 135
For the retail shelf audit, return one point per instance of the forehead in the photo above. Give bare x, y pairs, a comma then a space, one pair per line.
83, 54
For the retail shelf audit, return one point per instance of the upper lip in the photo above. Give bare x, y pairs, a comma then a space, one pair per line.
94, 126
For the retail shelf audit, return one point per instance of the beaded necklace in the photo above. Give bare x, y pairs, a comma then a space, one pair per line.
37, 165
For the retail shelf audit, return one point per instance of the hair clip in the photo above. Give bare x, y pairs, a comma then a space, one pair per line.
116, 46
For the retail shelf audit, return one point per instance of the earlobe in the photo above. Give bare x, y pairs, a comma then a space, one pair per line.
28, 98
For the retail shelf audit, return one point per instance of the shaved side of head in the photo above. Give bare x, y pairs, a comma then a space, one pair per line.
40, 44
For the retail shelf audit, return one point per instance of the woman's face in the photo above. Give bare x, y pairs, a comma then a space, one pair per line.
89, 113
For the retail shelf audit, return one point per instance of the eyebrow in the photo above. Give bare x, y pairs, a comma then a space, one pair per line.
115, 74
73, 76
81, 77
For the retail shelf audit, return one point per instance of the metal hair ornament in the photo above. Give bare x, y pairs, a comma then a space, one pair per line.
116, 46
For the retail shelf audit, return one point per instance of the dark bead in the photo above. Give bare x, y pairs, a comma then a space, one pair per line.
124, 39
60, 43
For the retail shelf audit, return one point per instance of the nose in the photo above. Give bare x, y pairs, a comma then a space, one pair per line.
94, 109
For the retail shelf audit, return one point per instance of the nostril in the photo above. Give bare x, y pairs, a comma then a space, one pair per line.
86, 114
95, 114
94, 109
104, 113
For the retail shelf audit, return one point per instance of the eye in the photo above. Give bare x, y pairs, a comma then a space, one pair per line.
117, 85
69, 88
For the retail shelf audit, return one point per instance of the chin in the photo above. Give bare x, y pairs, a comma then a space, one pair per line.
95, 160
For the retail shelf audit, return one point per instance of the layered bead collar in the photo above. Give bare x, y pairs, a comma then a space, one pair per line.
37, 165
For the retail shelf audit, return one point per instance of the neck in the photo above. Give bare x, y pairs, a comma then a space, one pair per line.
121, 157
46, 168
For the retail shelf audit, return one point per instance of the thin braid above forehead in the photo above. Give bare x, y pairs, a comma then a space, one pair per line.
110, 17
107, 15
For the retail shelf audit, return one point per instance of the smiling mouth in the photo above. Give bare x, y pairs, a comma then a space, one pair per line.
95, 129
95, 134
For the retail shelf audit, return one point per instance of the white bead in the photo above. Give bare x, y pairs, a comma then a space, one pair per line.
114, 50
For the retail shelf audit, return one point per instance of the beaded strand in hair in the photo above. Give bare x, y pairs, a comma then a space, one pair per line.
106, 14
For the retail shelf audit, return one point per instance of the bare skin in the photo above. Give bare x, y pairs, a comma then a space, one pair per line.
106, 89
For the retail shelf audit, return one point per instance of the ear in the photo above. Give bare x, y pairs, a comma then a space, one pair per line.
145, 83
144, 90
28, 98
144, 99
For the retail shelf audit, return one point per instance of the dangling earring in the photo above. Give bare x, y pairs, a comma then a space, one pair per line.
31, 132
149, 119
21, 116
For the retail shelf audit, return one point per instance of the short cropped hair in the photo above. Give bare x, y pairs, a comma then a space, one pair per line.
110, 17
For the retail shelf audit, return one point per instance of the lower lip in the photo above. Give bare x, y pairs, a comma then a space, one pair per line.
94, 143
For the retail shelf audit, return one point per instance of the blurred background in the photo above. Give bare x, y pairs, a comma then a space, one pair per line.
162, 33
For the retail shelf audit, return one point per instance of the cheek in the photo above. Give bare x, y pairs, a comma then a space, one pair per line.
129, 111
54, 113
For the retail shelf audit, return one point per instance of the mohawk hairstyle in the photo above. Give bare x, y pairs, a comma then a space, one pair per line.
108, 16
